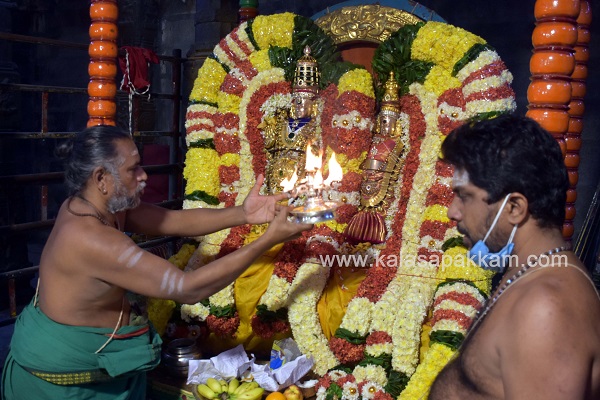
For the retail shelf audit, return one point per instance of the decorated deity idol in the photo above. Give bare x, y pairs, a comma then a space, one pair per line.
288, 133
381, 169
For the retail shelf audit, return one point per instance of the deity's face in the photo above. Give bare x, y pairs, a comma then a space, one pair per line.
387, 124
301, 107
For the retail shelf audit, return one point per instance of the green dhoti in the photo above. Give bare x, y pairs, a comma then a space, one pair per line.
48, 360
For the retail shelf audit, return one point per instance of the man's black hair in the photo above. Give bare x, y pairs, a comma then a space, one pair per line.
91, 148
509, 154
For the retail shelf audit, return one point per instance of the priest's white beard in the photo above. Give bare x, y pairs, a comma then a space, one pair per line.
121, 201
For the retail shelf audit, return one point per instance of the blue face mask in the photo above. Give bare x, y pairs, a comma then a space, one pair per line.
480, 253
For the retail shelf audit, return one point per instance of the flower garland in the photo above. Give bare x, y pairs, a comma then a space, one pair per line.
462, 291
254, 89
339, 122
465, 79
444, 101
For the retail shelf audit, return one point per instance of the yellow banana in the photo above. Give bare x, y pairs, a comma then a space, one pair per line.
245, 386
214, 385
252, 394
224, 386
233, 384
206, 392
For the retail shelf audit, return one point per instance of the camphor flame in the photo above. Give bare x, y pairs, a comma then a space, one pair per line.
313, 167
289, 184
314, 178
335, 171
313, 161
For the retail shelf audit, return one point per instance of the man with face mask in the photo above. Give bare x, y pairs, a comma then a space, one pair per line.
538, 335
80, 338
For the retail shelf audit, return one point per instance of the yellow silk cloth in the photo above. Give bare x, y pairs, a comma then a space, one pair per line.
250, 286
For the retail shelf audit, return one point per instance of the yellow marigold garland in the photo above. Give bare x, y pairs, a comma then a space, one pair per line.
273, 30
200, 172
442, 44
357, 79
440, 80
260, 60
206, 86
228, 103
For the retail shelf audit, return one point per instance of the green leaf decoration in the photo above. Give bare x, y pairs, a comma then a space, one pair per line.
251, 34
383, 360
394, 54
341, 367
203, 144
449, 338
350, 336
201, 195
307, 33
334, 392
214, 57
208, 103
469, 56
267, 315
332, 72
453, 281
222, 312
452, 242
397, 381
485, 116
283, 57
322, 48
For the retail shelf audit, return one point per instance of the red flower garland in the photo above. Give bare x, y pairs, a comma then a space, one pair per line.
494, 69
227, 198
461, 298
453, 315
233, 85
439, 195
267, 330
223, 327
378, 337
435, 229
253, 119
380, 395
234, 240
345, 213
345, 351
229, 174
350, 182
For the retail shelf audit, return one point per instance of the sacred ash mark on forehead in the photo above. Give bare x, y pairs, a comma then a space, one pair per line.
460, 178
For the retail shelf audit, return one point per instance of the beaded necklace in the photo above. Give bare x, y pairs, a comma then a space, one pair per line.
498, 292
98, 214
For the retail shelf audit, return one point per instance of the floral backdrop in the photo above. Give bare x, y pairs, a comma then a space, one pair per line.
379, 332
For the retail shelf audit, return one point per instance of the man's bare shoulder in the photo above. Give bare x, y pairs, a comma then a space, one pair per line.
84, 237
556, 298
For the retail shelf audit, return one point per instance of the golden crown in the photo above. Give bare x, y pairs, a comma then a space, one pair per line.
390, 103
307, 76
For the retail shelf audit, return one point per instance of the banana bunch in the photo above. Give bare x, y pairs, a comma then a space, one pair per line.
232, 390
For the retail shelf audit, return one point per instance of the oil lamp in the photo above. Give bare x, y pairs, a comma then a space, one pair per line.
309, 191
